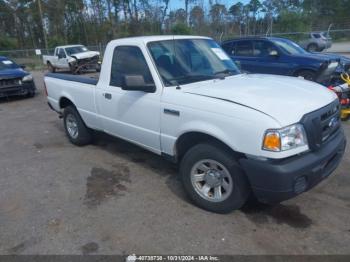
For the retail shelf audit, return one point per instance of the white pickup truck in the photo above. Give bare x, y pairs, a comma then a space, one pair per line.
73, 58
234, 135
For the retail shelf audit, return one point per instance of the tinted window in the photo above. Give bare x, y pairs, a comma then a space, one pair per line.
61, 52
244, 48
7, 64
263, 48
289, 46
128, 60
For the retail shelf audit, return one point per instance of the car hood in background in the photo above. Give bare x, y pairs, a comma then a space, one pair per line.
12, 73
321, 57
286, 99
85, 55
343, 59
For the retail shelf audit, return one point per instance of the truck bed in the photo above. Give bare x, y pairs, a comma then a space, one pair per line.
74, 78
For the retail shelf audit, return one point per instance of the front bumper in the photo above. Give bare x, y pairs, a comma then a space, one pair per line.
274, 181
18, 90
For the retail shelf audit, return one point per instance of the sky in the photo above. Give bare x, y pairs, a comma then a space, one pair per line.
176, 4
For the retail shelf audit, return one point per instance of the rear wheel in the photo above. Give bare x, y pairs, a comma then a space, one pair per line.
78, 133
50, 67
312, 48
213, 179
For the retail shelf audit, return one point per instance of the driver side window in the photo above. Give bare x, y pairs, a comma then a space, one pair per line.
128, 60
61, 53
263, 48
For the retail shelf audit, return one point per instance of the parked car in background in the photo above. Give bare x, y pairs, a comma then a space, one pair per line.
14, 80
279, 56
73, 58
232, 134
316, 42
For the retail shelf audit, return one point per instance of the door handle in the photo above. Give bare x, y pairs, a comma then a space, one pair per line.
107, 95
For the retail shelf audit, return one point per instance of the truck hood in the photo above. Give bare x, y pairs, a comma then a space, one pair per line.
12, 73
286, 99
85, 55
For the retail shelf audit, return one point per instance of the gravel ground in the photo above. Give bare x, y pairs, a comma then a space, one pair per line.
115, 198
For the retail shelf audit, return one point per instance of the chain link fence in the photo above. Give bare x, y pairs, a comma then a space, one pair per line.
29, 58
32, 61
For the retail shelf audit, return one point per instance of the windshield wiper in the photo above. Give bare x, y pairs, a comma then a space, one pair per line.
189, 78
224, 73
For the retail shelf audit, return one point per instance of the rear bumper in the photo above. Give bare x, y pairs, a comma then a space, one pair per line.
274, 181
18, 90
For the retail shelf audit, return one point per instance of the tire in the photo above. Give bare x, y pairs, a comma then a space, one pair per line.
312, 48
51, 68
306, 74
73, 69
31, 94
205, 161
76, 130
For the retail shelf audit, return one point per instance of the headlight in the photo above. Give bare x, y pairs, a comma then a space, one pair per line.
285, 138
27, 78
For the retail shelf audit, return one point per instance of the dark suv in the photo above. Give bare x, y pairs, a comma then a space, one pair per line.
280, 56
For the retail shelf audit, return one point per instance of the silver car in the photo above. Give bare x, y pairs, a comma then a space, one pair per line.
317, 42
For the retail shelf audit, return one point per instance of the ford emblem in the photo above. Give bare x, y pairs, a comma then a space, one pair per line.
333, 123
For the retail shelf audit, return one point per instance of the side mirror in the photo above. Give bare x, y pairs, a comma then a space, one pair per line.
273, 53
61, 56
137, 83
22, 66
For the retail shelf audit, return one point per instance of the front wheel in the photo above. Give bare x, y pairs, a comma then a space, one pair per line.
78, 133
306, 74
213, 179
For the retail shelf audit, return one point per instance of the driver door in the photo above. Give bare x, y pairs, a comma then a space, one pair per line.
265, 62
62, 58
131, 115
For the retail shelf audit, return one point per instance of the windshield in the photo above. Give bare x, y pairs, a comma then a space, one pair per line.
185, 61
289, 46
76, 49
8, 64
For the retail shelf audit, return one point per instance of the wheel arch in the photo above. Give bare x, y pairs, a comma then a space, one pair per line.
191, 138
65, 101
300, 69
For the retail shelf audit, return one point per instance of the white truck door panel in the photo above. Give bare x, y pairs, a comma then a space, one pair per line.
127, 114
132, 115
62, 61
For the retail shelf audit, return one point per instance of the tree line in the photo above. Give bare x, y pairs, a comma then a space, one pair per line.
46, 23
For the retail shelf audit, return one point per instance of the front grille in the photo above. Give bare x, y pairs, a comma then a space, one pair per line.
88, 60
322, 124
330, 122
10, 82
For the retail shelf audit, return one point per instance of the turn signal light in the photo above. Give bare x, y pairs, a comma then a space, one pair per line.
272, 141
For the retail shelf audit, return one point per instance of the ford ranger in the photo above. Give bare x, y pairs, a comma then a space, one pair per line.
234, 135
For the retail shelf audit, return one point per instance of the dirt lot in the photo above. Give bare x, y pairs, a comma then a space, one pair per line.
115, 198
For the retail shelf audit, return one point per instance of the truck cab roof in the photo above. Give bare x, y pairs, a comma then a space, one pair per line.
153, 38
67, 46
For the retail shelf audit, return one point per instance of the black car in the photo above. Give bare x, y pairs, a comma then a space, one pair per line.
14, 80
280, 56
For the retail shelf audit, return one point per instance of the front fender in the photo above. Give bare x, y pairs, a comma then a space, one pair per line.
207, 129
